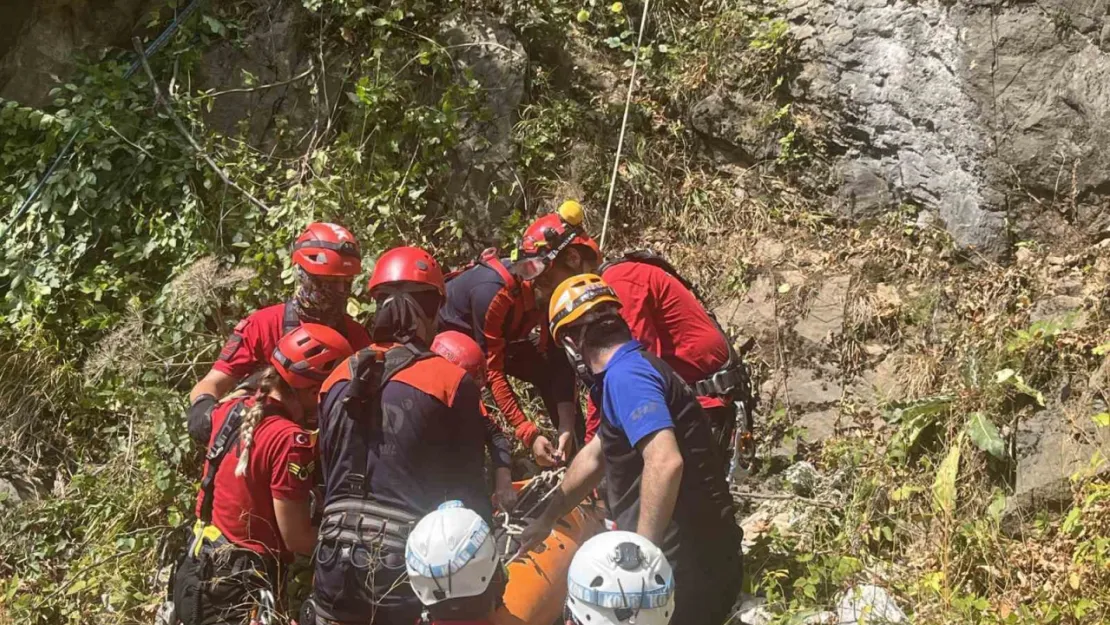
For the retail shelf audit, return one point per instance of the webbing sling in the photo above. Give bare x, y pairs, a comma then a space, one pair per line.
372, 370
225, 440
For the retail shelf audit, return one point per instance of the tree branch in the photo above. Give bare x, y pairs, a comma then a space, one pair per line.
167, 105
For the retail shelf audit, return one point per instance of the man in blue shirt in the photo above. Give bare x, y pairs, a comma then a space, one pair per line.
655, 448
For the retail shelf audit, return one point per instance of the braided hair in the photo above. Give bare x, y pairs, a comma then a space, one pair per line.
270, 381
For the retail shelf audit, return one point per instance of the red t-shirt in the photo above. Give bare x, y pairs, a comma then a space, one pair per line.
670, 322
252, 343
282, 460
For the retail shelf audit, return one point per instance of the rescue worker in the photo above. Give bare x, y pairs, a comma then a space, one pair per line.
665, 476
253, 512
661, 310
464, 352
327, 259
487, 303
401, 432
453, 567
619, 578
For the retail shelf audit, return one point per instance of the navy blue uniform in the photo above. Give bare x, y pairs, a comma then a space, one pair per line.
384, 470
639, 395
488, 304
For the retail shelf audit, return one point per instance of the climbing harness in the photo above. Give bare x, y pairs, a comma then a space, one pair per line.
624, 123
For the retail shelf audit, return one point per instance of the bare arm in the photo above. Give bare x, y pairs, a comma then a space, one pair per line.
295, 525
660, 483
215, 383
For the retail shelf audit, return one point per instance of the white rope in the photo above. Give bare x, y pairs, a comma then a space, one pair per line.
624, 123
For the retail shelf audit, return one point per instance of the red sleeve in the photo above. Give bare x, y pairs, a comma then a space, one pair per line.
593, 418
492, 329
294, 462
634, 288
245, 350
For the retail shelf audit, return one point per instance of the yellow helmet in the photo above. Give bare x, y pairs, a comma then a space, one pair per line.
577, 296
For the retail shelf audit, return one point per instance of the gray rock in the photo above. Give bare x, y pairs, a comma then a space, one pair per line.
948, 106
735, 125
752, 611
868, 605
825, 315
8, 492
1062, 309
1050, 448
802, 388
802, 478
753, 313
864, 194
820, 618
492, 54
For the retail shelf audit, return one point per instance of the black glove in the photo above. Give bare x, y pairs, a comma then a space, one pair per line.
199, 419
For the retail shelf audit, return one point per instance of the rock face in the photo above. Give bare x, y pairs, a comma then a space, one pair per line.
1051, 447
273, 52
495, 58
964, 109
38, 39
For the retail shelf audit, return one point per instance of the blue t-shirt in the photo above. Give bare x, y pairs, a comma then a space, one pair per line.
633, 400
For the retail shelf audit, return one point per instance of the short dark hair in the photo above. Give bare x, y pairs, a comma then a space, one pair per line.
607, 331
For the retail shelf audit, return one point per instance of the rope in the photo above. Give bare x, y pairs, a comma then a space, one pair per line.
64, 153
624, 123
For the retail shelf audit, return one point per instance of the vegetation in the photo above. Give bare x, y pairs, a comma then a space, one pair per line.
124, 277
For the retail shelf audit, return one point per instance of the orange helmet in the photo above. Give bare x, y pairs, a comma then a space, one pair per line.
549, 235
577, 296
307, 355
325, 249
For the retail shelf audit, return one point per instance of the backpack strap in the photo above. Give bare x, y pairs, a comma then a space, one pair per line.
370, 370
289, 319
651, 257
221, 446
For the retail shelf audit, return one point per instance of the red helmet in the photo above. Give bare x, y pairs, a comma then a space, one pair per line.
306, 356
463, 351
547, 237
407, 264
327, 250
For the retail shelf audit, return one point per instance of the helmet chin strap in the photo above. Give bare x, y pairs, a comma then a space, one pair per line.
576, 359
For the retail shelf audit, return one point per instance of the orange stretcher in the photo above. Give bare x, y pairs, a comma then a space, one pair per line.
537, 586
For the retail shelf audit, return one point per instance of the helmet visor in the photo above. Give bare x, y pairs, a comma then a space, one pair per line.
529, 268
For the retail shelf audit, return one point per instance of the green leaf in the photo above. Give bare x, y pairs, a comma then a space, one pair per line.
1102, 419
944, 487
984, 433
998, 506
583, 16
1101, 350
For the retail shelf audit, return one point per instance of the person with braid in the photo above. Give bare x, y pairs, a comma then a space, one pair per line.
253, 514
326, 258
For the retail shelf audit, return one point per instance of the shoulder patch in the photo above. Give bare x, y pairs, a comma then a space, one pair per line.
301, 471
232, 344
435, 376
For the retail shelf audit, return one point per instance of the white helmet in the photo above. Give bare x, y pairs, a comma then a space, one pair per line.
450, 554
619, 578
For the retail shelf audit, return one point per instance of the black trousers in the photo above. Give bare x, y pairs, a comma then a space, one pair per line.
706, 588
223, 585
361, 585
